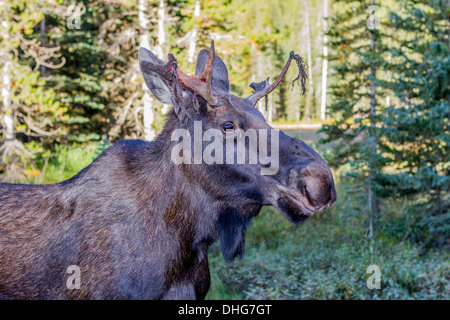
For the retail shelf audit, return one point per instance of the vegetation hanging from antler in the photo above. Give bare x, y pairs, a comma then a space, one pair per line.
302, 75
263, 88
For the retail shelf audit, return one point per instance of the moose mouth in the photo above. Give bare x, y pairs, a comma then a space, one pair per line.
293, 208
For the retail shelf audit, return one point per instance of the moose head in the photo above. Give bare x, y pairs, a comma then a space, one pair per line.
240, 173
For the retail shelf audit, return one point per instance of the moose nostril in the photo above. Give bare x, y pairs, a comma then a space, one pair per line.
311, 200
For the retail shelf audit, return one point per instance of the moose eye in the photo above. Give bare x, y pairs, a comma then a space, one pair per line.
228, 127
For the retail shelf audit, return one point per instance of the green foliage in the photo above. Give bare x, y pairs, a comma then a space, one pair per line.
32, 105
82, 83
415, 133
57, 165
352, 59
65, 162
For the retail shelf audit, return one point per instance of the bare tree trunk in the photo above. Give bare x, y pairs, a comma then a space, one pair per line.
373, 206
159, 51
323, 102
147, 99
8, 118
258, 62
159, 48
389, 74
318, 59
310, 102
42, 31
194, 36
270, 112
260, 75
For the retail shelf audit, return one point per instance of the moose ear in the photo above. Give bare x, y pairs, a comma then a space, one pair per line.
158, 86
219, 78
232, 228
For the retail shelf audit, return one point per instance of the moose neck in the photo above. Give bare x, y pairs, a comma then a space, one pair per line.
184, 205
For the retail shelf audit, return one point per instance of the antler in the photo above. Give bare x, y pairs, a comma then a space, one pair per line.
201, 84
263, 88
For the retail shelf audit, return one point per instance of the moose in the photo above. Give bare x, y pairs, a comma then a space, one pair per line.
136, 224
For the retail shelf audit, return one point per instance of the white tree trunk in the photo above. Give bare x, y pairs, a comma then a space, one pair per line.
260, 75
147, 100
323, 102
372, 140
310, 103
161, 30
318, 58
270, 112
389, 74
144, 39
159, 48
42, 32
194, 36
8, 118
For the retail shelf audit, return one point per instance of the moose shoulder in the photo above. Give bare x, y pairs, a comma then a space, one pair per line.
135, 224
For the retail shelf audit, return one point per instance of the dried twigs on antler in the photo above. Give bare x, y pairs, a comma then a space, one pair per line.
262, 89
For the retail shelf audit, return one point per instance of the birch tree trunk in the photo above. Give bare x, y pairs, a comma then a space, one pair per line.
147, 100
310, 102
318, 42
323, 102
10, 143
373, 206
161, 30
260, 75
372, 142
42, 32
270, 112
159, 48
389, 73
194, 36
7, 120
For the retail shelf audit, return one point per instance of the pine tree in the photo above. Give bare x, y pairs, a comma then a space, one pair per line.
357, 51
78, 83
415, 131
